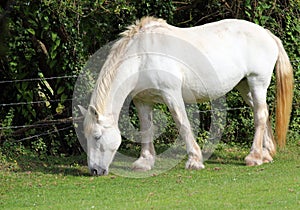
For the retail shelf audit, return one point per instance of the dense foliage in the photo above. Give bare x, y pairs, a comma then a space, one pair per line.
53, 39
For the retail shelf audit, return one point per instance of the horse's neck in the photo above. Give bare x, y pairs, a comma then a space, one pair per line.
120, 87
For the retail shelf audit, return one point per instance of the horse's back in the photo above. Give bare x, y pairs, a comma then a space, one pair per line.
234, 49
213, 57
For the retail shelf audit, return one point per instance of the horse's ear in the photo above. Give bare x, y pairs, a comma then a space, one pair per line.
104, 121
82, 110
93, 111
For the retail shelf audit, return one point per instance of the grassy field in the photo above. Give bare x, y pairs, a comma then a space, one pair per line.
63, 183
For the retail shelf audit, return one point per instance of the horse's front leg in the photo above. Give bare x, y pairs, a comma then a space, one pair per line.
147, 156
177, 108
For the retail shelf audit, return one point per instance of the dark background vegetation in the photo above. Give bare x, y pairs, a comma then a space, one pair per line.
54, 38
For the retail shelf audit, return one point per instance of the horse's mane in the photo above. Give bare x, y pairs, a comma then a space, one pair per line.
112, 63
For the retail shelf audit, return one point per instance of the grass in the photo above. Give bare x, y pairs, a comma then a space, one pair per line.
63, 183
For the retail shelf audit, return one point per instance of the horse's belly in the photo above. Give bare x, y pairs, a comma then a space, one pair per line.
206, 91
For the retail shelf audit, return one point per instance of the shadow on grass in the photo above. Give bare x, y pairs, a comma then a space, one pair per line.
225, 162
68, 166
77, 165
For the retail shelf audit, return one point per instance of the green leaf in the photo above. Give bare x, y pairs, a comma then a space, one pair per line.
53, 54
46, 26
63, 97
60, 90
24, 85
31, 30
53, 36
57, 42
59, 109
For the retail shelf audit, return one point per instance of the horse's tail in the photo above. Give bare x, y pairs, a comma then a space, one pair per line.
284, 92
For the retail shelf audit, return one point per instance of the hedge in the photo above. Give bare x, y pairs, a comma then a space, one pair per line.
54, 39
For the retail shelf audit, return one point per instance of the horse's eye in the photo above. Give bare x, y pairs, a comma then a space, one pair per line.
97, 138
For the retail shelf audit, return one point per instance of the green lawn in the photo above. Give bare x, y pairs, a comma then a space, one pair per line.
63, 183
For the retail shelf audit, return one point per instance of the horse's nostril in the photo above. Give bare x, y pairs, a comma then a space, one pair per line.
103, 172
94, 172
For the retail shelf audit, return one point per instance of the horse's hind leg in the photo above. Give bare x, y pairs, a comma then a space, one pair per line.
269, 148
147, 157
176, 106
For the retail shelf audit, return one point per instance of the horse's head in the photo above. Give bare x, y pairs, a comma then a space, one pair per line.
103, 140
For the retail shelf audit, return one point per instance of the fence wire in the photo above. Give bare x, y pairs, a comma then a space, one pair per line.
37, 79
46, 133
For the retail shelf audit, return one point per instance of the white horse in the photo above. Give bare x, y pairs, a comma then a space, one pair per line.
157, 62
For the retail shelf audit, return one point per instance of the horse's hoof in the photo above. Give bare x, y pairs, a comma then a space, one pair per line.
194, 165
254, 159
141, 168
143, 164
250, 161
267, 158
